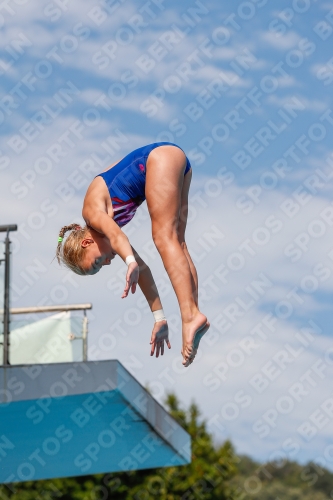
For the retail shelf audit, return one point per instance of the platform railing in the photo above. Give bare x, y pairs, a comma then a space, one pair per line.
62, 308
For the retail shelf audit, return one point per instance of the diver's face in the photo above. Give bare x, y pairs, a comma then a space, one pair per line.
98, 253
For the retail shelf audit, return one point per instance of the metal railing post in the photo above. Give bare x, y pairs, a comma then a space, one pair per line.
6, 305
6, 313
85, 335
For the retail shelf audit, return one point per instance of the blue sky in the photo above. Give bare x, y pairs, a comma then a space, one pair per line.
245, 88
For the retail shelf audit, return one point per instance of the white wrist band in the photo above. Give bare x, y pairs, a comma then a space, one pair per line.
159, 315
130, 259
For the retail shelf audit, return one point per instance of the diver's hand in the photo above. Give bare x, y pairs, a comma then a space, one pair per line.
159, 335
132, 278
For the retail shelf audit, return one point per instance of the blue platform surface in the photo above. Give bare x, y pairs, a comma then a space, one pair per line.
71, 419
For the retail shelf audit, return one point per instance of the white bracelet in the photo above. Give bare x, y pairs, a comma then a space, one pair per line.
159, 315
130, 259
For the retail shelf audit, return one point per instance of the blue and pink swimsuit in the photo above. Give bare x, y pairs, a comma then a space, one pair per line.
126, 182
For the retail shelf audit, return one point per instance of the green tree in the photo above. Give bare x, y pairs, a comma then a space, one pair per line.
282, 480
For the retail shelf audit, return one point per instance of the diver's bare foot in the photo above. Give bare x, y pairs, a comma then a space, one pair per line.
198, 337
192, 334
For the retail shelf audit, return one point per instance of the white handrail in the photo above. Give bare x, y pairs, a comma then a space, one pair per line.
39, 309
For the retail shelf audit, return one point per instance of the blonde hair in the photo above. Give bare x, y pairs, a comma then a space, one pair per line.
71, 252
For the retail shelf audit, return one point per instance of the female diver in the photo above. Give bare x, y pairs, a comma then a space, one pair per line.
161, 174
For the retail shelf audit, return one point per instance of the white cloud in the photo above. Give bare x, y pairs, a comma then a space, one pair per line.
280, 42
315, 105
289, 81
